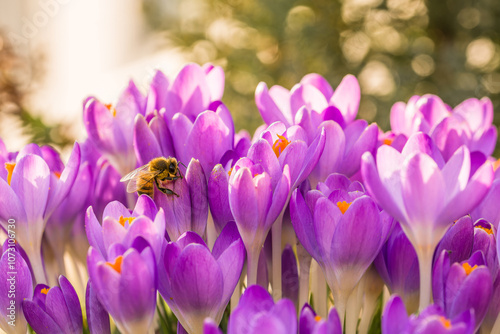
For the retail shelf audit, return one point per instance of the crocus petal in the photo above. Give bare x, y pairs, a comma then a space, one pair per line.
319, 82
421, 142
366, 141
197, 284
197, 184
62, 187
423, 188
334, 148
346, 97
39, 320
162, 134
215, 82
218, 197
267, 107
474, 192
94, 232
394, 317
309, 96
180, 127
72, 302
145, 143
290, 274
303, 224
262, 153
31, 181
97, 317
312, 157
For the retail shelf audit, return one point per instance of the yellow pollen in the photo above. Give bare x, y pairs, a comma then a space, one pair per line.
468, 268
122, 220
446, 322
117, 265
343, 206
317, 318
230, 171
45, 290
111, 109
279, 145
388, 141
485, 229
9, 166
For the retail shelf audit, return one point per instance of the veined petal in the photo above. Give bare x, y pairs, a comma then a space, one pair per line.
346, 97
423, 190
145, 143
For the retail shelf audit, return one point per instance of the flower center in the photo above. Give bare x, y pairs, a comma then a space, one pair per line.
279, 145
45, 290
111, 109
122, 220
446, 322
343, 206
317, 318
485, 229
117, 265
468, 268
9, 166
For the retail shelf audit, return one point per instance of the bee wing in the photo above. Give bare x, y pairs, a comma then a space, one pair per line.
144, 176
134, 173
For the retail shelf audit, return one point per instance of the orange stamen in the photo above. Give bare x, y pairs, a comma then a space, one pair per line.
485, 229
317, 318
122, 220
230, 171
446, 322
57, 174
45, 290
468, 268
117, 265
387, 141
111, 109
279, 145
9, 166
496, 164
343, 206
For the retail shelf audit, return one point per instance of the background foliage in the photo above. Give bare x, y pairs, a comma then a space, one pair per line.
396, 48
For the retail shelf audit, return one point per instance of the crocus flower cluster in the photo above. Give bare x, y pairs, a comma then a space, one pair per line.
294, 229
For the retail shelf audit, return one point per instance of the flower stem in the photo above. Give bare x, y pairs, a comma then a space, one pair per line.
319, 290
424, 255
252, 265
304, 266
276, 254
352, 312
36, 262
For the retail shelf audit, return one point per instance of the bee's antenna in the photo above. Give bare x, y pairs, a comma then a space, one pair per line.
180, 162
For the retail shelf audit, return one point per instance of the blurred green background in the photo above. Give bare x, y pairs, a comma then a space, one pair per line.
396, 49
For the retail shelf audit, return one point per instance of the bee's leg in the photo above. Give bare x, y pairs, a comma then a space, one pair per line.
180, 174
165, 190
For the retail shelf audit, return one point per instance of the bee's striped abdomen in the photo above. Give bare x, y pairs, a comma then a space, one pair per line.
145, 184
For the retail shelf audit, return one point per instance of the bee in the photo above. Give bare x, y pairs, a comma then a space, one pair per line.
156, 171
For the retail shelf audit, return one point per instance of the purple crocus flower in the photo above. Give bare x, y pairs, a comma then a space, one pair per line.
310, 323
458, 240
343, 232
54, 310
431, 320
485, 241
16, 285
189, 211
110, 128
256, 199
30, 195
210, 327
121, 226
205, 138
196, 283
193, 90
397, 264
257, 313
311, 100
424, 194
459, 287
470, 123
126, 284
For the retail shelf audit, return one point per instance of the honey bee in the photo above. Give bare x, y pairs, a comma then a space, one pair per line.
156, 171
